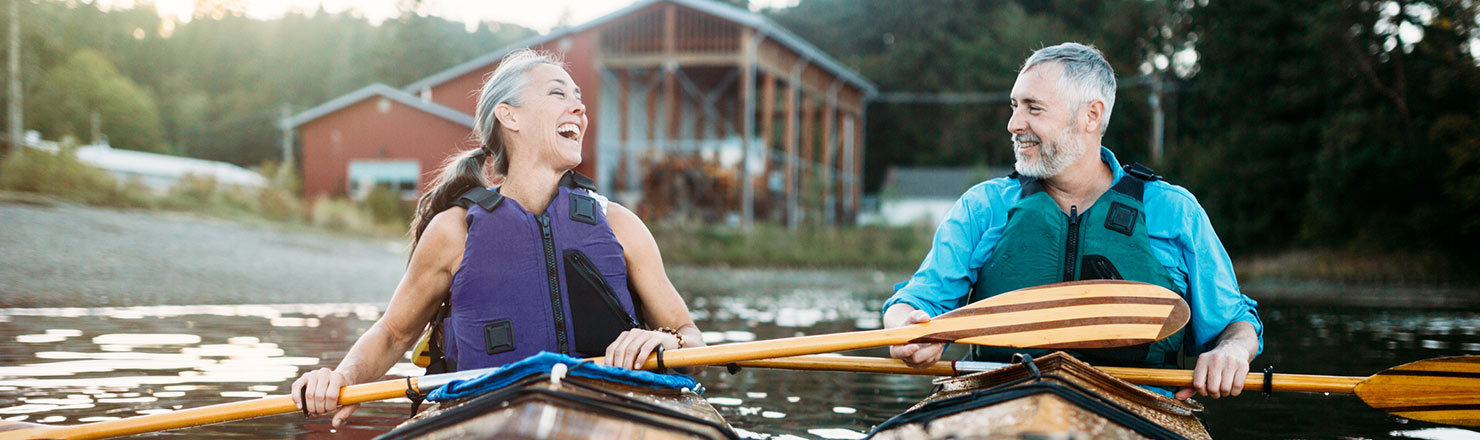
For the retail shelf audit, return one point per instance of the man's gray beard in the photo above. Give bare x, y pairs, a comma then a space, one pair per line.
1052, 159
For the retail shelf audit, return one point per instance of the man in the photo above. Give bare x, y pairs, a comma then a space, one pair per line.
1072, 213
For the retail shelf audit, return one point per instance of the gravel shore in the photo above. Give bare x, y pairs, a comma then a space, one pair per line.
55, 254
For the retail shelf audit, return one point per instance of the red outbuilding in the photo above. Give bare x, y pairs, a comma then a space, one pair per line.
662, 78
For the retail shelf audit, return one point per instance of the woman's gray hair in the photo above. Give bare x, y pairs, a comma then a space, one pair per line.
1087, 76
502, 87
464, 171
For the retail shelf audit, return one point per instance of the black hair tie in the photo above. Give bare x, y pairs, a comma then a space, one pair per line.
1268, 381
662, 369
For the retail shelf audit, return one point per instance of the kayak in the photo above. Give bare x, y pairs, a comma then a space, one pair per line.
554, 405
1052, 397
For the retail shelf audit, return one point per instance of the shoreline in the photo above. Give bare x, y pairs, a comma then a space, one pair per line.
62, 254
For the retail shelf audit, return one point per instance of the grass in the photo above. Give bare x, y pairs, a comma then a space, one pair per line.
63, 177
809, 246
1353, 267
35, 176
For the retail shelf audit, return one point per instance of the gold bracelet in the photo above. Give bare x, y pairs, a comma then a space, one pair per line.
671, 331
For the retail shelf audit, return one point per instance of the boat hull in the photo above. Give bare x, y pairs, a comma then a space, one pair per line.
1065, 399
572, 408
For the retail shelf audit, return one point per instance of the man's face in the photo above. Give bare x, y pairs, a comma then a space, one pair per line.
1042, 124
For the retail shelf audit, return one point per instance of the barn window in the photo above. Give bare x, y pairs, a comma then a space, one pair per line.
397, 175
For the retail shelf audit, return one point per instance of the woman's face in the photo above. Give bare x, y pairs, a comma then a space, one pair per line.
551, 122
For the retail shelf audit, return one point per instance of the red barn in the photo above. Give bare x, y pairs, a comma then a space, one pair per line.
662, 77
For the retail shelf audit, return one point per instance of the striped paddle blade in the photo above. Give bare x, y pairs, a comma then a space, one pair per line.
1440, 390
1078, 314
1084, 314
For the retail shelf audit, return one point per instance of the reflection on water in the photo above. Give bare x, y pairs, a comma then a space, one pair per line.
77, 365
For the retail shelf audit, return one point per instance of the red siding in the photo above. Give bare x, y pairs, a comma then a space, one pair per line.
362, 131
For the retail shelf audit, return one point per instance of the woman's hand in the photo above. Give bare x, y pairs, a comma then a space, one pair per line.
632, 347
323, 394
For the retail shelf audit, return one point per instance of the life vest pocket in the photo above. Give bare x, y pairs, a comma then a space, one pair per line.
498, 336
597, 313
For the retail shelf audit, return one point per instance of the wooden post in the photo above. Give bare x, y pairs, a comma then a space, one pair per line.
809, 142
670, 70
654, 137
789, 188
845, 167
13, 69
768, 125
829, 145
858, 164
624, 139
747, 126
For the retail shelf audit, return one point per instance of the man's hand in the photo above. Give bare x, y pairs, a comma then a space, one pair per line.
1221, 371
914, 355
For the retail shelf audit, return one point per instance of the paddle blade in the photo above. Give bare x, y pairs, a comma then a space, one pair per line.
1078, 314
1441, 390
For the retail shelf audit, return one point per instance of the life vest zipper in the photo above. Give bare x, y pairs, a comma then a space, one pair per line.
553, 273
1071, 244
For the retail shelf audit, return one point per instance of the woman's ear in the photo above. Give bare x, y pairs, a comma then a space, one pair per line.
506, 118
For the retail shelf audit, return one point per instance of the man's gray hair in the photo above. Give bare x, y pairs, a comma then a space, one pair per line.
1087, 76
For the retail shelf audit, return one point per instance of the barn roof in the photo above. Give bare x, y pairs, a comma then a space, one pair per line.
763, 25
378, 90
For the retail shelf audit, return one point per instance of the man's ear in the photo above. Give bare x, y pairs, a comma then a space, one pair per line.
1094, 116
506, 118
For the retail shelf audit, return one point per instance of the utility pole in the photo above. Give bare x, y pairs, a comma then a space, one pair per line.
13, 58
286, 113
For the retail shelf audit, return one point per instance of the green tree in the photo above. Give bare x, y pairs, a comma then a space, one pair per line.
87, 82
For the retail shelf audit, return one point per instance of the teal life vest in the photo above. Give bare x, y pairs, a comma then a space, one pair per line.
1107, 240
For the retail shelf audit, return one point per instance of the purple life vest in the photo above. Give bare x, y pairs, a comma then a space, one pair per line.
530, 282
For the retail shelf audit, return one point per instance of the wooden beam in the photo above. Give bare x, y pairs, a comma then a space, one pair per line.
789, 185
857, 166
809, 142
829, 145
624, 138
768, 123
682, 58
747, 126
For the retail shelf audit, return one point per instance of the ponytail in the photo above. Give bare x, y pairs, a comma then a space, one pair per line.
460, 173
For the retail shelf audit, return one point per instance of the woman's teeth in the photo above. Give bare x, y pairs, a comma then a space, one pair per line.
568, 131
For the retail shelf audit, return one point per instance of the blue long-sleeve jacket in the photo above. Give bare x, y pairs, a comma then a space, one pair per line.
1182, 239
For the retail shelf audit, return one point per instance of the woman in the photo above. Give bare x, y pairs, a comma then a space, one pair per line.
541, 263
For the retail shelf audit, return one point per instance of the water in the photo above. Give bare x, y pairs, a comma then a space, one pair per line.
75, 365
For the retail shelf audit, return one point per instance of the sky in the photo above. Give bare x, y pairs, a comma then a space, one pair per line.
540, 15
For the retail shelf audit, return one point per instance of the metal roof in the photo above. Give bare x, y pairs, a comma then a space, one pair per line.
381, 90
935, 182
764, 26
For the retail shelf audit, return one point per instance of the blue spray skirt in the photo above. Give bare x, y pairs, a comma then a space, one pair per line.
544, 362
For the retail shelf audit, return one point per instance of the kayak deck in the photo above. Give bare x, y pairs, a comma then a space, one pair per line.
1063, 398
574, 407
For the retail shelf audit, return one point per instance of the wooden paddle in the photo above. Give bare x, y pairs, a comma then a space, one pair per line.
1081, 314
1440, 390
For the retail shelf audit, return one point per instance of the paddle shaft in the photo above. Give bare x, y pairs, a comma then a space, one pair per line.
1142, 376
771, 348
205, 415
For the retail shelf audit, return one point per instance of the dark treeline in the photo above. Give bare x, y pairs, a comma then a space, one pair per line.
214, 87
1305, 123
1352, 124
